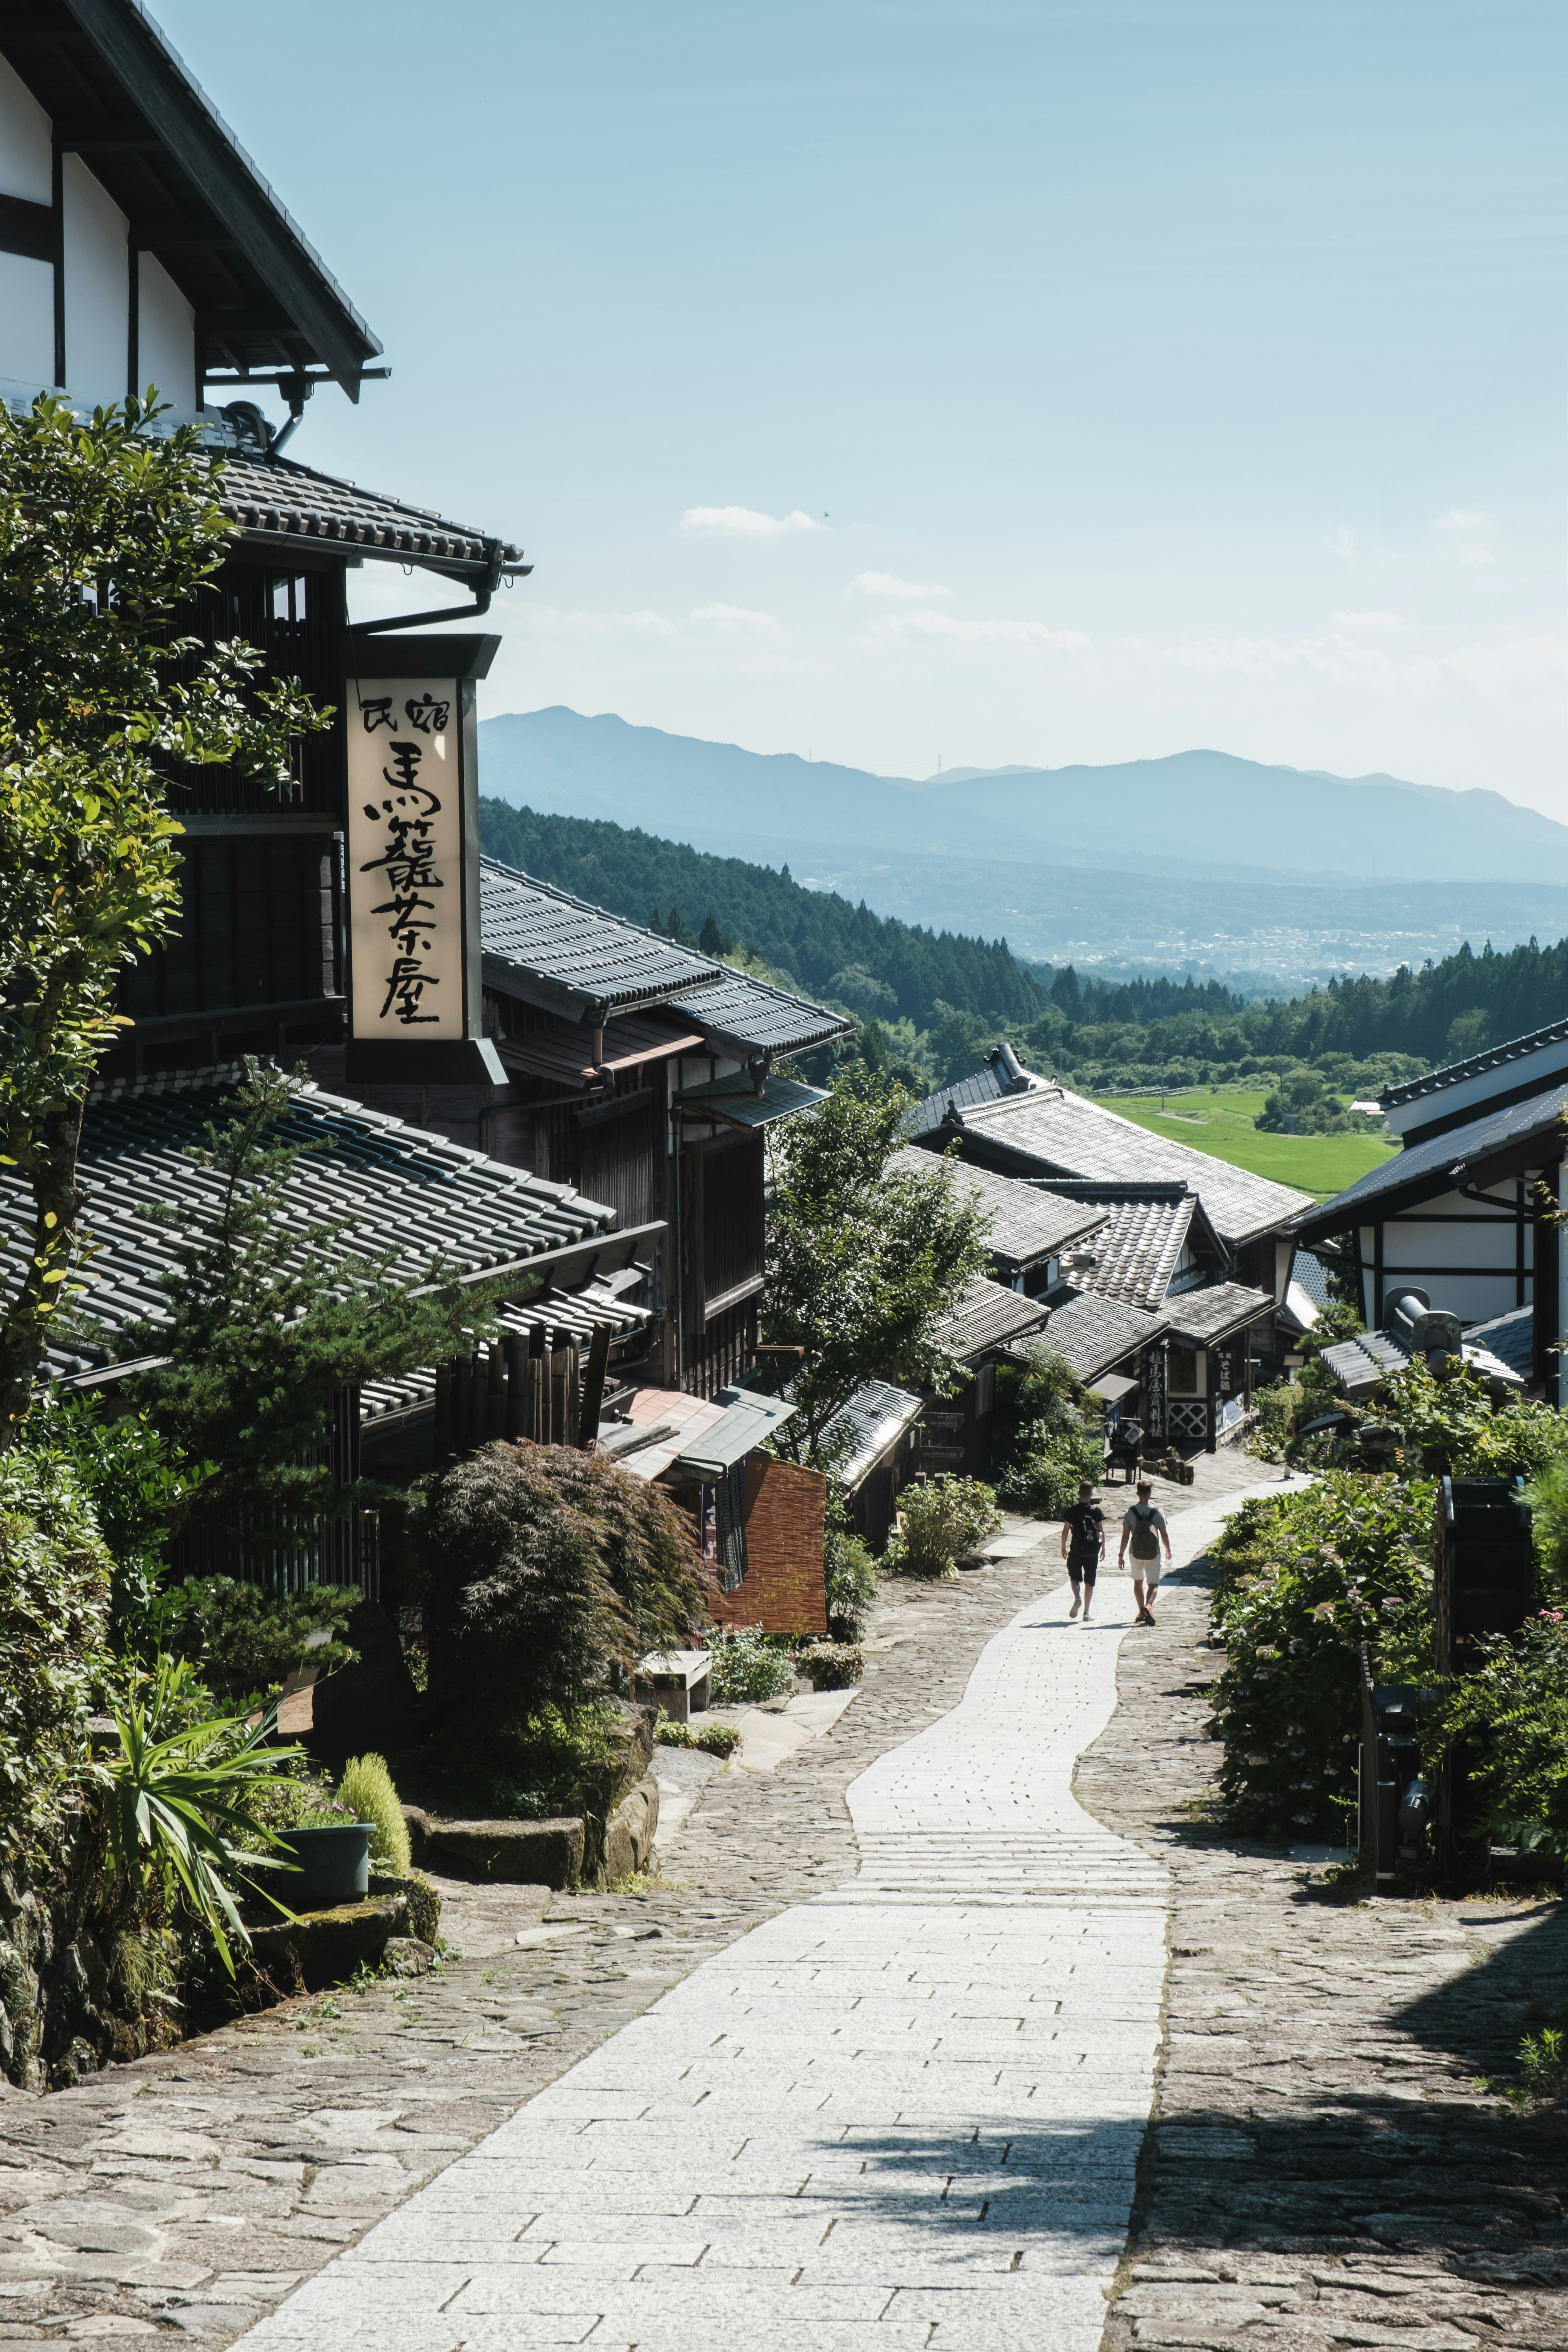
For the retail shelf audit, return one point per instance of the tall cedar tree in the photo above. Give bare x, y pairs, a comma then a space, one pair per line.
108, 533
863, 1259
270, 1315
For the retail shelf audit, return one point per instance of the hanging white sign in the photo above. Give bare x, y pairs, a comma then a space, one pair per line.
405, 855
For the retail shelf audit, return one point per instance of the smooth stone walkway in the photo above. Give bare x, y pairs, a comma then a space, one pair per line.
904, 2114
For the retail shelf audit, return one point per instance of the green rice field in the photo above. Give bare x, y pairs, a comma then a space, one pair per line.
1219, 1119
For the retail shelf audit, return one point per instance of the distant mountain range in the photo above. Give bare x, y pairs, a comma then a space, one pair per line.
1197, 859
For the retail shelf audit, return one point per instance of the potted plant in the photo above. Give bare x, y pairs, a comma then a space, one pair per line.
331, 1850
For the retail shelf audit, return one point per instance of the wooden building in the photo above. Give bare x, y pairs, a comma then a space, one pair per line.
1467, 1210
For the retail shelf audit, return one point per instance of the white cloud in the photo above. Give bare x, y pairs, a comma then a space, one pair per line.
1381, 623
1343, 542
1464, 531
735, 619
970, 633
884, 583
743, 522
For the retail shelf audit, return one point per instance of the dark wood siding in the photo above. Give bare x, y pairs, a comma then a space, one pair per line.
258, 927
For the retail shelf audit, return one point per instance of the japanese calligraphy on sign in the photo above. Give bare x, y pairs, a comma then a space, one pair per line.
404, 857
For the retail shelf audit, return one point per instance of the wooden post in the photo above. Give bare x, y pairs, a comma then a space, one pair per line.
572, 1397
444, 1447
555, 1389
537, 1402
516, 1384
495, 1390
594, 1385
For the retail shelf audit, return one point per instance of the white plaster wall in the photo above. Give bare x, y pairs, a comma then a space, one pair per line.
26, 326
27, 288
98, 289
25, 152
166, 338
1464, 1242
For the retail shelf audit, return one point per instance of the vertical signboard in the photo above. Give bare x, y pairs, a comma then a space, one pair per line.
415, 999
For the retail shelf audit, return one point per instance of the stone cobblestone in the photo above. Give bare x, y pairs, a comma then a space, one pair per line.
187, 2194
1322, 2169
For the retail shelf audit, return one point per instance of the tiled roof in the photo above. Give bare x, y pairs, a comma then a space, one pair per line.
1137, 1249
757, 1017
1312, 1275
1092, 1333
1003, 1074
1476, 1065
278, 496
1212, 1313
566, 1315
435, 1200
1510, 1337
875, 1418
1062, 1134
1425, 1164
988, 1316
1026, 1224
596, 960
1359, 1365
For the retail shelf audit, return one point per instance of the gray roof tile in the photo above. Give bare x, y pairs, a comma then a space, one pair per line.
1027, 1225
1137, 1249
278, 496
757, 1017
1419, 1164
874, 1419
399, 1185
594, 958
1093, 1333
1063, 1134
988, 1318
1215, 1311
1474, 1066
1002, 1075
1510, 1337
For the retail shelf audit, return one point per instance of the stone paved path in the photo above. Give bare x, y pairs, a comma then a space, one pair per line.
1322, 2170
905, 2113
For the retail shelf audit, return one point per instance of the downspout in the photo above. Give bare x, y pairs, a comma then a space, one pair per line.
495, 570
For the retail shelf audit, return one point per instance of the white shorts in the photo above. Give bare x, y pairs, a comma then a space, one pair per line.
1145, 1571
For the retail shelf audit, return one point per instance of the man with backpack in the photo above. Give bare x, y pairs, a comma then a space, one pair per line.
1143, 1526
1083, 1548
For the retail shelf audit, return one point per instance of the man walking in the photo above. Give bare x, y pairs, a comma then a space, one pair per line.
1083, 1548
1143, 1526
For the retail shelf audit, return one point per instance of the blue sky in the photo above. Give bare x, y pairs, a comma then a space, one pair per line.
989, 382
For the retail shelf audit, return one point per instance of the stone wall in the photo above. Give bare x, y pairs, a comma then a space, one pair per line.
68, 2002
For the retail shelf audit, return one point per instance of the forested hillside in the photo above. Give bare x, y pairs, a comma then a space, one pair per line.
929, 1003
873, 966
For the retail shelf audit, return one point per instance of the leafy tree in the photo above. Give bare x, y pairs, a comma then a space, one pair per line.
269, 1320
1052, 1434
864, 1259
552, 1571
108, 532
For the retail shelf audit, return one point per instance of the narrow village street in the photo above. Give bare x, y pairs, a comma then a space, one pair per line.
897, 2086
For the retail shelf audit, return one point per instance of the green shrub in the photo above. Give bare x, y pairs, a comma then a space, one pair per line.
1447, 1418
748, 1668
1278, 1406
831, 1666
850, 1575
1050, 1434
1511, 1715
179, 1800
246, 1640
366, 1790
1303, 1580
942, 1521
54, 1662
713, 1739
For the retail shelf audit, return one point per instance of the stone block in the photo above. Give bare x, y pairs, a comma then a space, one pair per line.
530, 1853
629, 1834
324, 1947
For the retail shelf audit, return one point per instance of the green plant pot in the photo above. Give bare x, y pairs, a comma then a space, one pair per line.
334, 1866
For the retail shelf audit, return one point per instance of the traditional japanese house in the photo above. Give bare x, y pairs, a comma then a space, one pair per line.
1031, 1231
648, 1074
365, 1182
1001, 1074
875, 1450
1114, 1346
985, 1327
1467, 1210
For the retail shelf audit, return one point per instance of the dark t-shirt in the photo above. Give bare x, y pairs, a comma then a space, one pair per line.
1086, 1522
